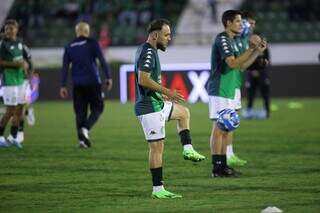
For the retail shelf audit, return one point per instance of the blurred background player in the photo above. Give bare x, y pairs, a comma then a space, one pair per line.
257, 76
153, 111
226, 64
82, 52
14, 68
30, 86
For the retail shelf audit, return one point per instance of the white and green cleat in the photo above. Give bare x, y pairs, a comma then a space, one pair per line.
164, 194
193, 155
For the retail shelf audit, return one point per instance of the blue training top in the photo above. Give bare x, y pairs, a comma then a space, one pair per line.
82, 53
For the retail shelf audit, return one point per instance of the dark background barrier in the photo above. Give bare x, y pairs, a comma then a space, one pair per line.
286, 81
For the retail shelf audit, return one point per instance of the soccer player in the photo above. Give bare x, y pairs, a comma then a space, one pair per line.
27, 111
153, 111
82, 52
14, 68
257, 75
226, 63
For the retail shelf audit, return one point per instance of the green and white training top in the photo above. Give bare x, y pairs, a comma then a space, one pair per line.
11, 51
147, 100
223, 80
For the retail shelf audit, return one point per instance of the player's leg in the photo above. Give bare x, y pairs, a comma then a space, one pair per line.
10, 97
3, 123
265, 93
96, 103
29, 114
22, 100
232, 159
182, 115
153, 125
15, 125
80, 106
218, 142
251, 93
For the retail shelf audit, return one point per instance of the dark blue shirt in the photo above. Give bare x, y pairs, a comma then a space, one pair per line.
82, 53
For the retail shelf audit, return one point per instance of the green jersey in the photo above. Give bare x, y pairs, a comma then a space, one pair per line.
147, 100
223, 79
11, 51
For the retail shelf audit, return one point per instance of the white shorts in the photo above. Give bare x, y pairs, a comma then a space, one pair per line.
216, 104
14, 95
153, 124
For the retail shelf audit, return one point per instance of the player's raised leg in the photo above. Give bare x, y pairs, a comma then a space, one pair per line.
182, 115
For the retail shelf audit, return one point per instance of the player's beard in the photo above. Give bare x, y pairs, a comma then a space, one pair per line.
161, 46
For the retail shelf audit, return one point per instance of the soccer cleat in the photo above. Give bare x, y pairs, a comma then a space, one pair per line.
193, 155
84, 135
30, 117
234, 161
3, 142
16, 143
82, 145
225, 173
20, 137
163, 194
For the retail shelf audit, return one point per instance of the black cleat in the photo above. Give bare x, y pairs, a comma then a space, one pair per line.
225, 173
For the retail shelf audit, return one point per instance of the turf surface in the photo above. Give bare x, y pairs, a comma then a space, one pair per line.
51, 174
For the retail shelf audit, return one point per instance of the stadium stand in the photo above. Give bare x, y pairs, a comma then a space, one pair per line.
115, 22
287, 21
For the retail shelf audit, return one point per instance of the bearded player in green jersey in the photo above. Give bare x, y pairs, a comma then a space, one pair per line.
13, 67
153, 111
226, 63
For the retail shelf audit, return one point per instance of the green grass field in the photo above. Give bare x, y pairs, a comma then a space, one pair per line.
51, 174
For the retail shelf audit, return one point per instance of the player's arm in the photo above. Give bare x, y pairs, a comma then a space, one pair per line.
258, 51
104, 65
145, 81
64, 74
236, 63
266, 56
13, 64
27, 57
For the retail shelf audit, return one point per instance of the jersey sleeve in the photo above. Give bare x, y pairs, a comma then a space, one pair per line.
102, 60
224, 46
147, 61
65, 68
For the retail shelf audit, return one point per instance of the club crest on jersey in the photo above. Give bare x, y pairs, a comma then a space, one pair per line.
20, 46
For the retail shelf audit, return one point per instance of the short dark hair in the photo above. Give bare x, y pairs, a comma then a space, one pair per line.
11, 22
229, 15
157, 24
248, 15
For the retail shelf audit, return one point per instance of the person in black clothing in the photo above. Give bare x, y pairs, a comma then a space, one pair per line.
258, 78
257, 75
82, 53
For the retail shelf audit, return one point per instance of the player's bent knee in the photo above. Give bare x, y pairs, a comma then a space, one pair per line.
185, 112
